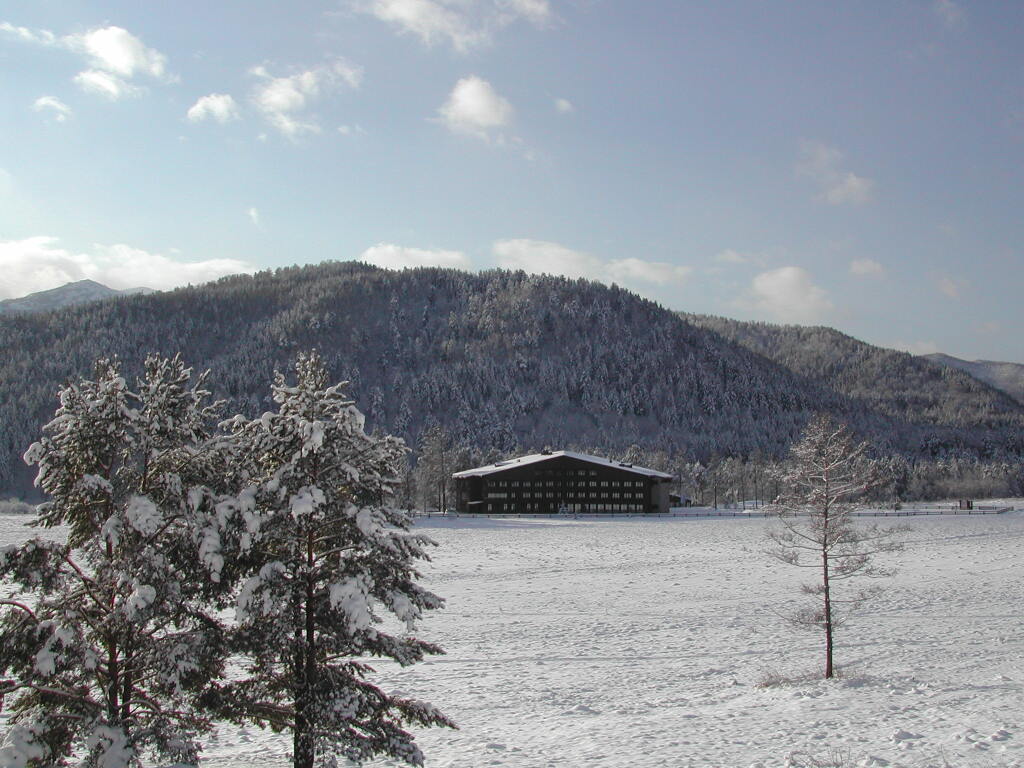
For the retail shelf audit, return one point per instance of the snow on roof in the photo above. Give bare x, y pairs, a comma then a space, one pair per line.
522, 461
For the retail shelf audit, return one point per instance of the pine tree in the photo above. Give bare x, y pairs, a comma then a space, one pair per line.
324, 557
109, 644
433, 467
826, 474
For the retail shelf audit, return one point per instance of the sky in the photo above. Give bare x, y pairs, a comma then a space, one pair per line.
856, 164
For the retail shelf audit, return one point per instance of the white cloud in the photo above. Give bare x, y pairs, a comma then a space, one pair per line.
823, 165
389, 256
475, 108
542, 257
654, 272
463, 24
114, 57
949, 13
537, 12
118, 51
564, 106
254, 216
789, 294
430, 21
59, 109
220, 107
284, 100
6, 183
38, 263
105, 84
866, 268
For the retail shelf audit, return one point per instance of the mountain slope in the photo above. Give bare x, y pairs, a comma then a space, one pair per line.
886, 381
505, 361
1008, 377
70, 294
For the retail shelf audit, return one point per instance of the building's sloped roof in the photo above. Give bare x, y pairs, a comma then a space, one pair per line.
535, 458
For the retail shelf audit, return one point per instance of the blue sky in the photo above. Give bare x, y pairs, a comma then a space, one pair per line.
851, 164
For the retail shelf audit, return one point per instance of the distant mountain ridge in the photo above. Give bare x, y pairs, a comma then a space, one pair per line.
1009, 377
887, 380
67, 295
506, 362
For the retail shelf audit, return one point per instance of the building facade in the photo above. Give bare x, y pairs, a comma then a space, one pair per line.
561, 481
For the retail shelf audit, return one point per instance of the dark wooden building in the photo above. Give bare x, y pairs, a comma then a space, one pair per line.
561, 481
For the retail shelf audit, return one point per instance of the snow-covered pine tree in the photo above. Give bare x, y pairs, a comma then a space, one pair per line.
826, 474
107, 638
326, 557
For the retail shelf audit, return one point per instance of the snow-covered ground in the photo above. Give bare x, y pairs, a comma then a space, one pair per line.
632, 642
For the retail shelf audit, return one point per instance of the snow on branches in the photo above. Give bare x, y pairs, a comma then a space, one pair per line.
828, 472
114, 645
322, 556
110, 639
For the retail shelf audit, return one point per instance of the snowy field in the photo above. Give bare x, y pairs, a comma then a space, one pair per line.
632, 642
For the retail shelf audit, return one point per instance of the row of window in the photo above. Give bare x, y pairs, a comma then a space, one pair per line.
559, 495
545, 508
552, 483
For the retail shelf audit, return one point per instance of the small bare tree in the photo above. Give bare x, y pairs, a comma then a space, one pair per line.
826, 474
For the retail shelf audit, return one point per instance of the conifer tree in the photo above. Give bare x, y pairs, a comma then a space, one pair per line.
827, 473
325, 557
108, 642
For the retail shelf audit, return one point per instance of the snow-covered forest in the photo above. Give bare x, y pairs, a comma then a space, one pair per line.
505, 363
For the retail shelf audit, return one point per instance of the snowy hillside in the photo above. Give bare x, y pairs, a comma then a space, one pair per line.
641, 643
507, 362
1008, 377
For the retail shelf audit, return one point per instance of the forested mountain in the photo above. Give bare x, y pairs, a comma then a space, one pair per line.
503, 361
884, 381
81, 292
1009, 377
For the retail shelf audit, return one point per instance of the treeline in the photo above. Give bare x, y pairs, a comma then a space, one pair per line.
504, 362
724, 482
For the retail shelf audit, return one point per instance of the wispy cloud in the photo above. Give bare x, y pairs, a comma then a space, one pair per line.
254, 216
825, 167
39, 263
37, 36
52, 106
475, 108
950, 14
564, 106
285, 100
949, 286
915, 347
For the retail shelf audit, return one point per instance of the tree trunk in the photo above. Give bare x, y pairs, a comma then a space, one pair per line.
828, 614
303, 746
